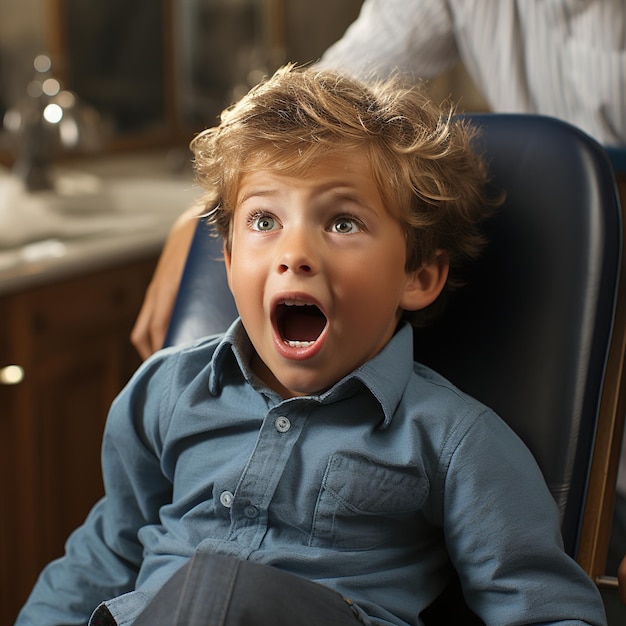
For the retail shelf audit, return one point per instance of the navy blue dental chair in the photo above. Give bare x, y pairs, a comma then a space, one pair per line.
538, 332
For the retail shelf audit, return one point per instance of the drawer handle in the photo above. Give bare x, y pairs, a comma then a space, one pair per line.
11, 375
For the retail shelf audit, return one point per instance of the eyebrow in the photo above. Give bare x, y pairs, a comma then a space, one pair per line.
256, 193
340, 189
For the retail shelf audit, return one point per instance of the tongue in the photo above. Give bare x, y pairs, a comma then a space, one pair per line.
303, 325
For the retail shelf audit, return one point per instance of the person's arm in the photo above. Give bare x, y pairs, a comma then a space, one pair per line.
103, 556
503, 535
415, 37
151, 325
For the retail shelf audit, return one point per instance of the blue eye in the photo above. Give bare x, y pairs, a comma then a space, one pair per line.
262, 223
346, 225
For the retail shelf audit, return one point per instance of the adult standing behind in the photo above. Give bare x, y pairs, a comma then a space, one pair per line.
563, 58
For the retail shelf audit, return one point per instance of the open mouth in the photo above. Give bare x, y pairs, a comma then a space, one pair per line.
299, 324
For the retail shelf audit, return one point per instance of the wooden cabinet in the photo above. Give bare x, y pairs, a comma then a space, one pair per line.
71, 341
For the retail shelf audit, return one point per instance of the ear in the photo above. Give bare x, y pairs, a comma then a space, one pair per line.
426, 283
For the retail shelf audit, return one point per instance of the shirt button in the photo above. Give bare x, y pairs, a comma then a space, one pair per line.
282, 424
226, 498
250, 511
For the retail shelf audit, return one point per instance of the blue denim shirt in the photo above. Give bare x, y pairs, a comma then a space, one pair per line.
375, 488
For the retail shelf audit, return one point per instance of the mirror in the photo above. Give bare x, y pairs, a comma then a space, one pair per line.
157, 71
113, 55
22, 35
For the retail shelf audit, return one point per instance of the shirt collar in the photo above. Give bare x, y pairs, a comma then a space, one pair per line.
385, 376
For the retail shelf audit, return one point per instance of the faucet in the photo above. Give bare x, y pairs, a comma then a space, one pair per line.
48, 117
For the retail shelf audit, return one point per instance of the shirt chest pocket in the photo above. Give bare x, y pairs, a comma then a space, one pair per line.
363, 504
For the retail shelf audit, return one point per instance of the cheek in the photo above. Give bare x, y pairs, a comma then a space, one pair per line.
244, 285
377, 276
242, 261
373, 295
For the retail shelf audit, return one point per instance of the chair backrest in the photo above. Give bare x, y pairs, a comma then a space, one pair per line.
204, 304
530, 333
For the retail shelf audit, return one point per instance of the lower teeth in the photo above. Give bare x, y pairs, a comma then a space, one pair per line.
299, 344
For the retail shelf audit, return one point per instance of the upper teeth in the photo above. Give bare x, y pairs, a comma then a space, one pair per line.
294, 303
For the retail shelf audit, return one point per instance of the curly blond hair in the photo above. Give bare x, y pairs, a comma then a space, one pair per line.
421, 157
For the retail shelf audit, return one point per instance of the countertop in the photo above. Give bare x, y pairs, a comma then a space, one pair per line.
149, 193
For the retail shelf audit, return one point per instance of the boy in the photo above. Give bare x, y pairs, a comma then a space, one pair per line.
305, 441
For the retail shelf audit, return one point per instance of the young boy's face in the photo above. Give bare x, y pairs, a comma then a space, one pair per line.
317, 269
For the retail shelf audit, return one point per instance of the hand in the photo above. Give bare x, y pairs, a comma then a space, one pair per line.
151, 324
621, 579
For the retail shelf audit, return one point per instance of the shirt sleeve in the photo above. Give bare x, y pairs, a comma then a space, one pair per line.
103, 556
503, 535
408, 36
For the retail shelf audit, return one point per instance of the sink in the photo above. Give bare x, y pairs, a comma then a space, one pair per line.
86, 205
87, 195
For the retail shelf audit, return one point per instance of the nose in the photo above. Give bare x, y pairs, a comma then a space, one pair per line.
298, 252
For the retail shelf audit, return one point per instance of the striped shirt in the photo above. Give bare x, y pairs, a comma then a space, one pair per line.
563, 58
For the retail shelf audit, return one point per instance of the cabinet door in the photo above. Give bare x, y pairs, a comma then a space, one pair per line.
11, 570
72, 340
